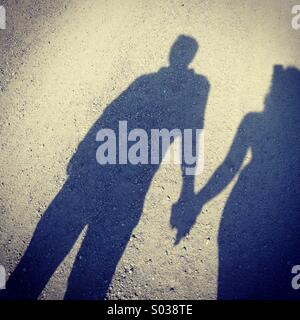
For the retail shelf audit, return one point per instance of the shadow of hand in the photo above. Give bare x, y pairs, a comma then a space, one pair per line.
183, 216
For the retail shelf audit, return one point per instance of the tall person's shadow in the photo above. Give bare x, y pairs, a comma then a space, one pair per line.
259, 235
109, 199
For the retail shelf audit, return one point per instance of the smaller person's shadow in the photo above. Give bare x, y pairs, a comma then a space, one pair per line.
109, 199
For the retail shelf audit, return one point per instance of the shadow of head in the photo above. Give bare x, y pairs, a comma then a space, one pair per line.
285, 90
183, 52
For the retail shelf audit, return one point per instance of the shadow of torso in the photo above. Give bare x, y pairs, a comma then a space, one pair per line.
164, 100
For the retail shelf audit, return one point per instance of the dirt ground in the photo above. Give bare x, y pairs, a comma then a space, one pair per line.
63, 62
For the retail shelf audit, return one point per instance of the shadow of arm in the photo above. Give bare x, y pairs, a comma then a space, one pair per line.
230, 166
184, 214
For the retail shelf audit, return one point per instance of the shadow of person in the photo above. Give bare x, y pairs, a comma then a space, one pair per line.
109, 199
259, 232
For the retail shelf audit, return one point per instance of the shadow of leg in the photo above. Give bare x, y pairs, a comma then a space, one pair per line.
96, 263
53, 238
